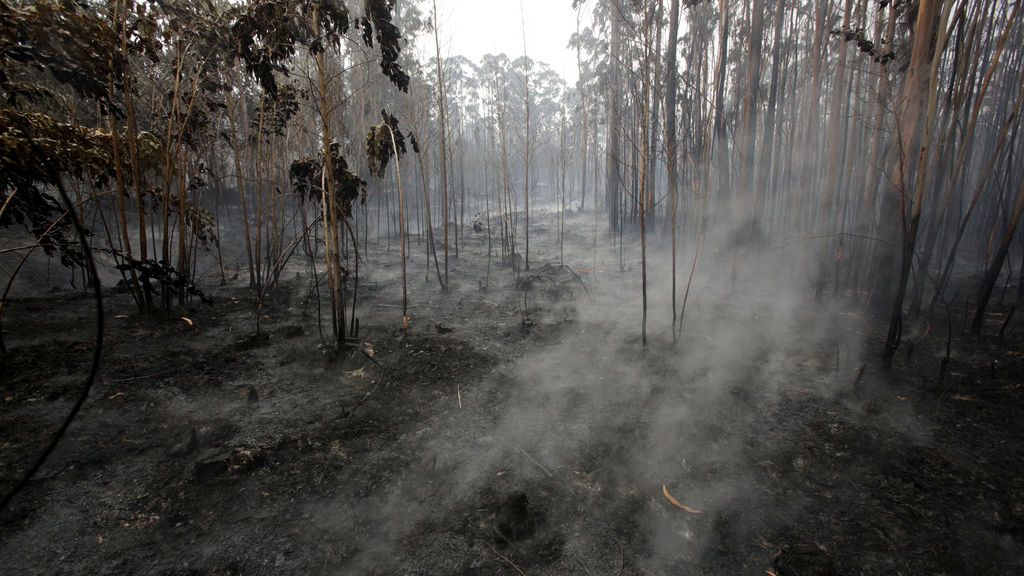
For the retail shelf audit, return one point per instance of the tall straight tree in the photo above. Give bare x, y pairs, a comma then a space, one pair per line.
612, 182
442, 108
528, 141
916, 113
671, 137
836, 140
747, 158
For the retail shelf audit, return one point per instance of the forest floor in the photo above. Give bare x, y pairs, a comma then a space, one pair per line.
758, 433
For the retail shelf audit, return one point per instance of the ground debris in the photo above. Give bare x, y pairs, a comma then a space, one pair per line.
677, 503
513, 519
214, 463
803, 560
188, 446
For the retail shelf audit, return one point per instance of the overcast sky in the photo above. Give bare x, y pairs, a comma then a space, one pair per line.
472, 28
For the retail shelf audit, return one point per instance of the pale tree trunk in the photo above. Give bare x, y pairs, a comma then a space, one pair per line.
612, 163
401, 228
869, 192
764, 177
671, 144
331, 225
747, 186
442, 111
979, 188
645, 152
835, 154
240, 180
720, 141
654, 117
988, 282
959, 165
809, 170
917, 111
528, 148
938, 215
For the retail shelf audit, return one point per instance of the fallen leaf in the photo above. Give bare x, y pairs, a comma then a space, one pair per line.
676, 503
356, 373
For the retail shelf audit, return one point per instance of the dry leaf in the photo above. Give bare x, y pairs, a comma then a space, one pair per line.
187, 321
356, 373
676, 503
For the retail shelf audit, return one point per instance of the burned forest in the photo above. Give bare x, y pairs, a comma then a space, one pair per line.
520, 288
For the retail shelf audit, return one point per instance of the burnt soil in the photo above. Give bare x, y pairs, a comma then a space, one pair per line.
395, 456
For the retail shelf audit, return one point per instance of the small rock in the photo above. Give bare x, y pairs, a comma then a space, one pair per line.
215, 463
513, 519
245, 459
188, 446
803, 560
212, 463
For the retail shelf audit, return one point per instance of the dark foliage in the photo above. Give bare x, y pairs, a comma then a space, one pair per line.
866, 46
307, 174
162, 274
34, 151
266, 34
388, 37
379, 147
62, 40
280, 109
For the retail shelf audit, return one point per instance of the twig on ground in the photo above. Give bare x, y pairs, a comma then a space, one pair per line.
534, 460
579, 560
505, 558
147, 376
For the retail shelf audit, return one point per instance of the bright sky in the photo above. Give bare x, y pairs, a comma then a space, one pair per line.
472, 28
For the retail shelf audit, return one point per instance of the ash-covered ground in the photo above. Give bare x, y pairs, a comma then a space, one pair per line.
513, 431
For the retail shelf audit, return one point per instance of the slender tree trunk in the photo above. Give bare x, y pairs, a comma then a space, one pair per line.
721, 139
747, 186
671, 144
614, 103
995, 266
917, 111
443, 113
836, 139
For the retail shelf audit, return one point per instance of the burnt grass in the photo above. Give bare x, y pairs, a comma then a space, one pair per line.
395, 457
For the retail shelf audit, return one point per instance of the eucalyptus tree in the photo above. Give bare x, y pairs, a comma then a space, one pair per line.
442, 110
270, 33
671, 140
496, 84
614, 108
